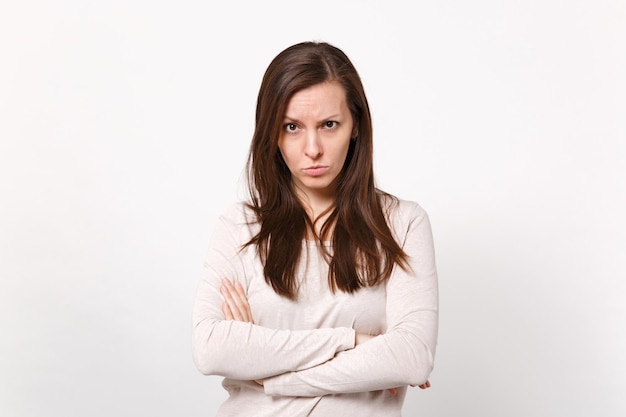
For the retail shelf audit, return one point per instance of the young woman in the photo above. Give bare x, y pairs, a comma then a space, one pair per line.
319, 294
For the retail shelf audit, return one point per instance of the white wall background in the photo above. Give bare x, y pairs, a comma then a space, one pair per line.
124, 127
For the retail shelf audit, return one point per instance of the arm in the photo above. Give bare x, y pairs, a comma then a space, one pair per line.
242, 350
236, 307
403, 355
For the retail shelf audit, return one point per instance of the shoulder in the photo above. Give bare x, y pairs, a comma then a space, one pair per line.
239, 219
238, 213
402, 214
398, 209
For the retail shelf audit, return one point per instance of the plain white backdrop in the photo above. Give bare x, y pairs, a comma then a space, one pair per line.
124, 128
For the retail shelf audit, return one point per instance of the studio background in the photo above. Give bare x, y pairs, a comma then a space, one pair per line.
124, 129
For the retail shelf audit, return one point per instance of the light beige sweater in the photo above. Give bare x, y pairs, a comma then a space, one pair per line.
304, 350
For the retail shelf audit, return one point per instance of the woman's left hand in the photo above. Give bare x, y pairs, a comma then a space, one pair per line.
425, 385
235, 305
394, 391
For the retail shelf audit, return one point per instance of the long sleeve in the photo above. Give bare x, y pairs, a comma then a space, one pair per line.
246, 351
404, 354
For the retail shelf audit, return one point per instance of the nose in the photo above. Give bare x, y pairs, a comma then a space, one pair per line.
313, 147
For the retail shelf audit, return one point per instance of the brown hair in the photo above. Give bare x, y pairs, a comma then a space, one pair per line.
364, 250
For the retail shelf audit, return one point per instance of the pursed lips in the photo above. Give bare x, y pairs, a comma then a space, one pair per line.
316, 170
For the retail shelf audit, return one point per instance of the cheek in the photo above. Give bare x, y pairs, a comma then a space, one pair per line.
344, 151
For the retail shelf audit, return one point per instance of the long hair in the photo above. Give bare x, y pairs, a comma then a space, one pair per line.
364, 249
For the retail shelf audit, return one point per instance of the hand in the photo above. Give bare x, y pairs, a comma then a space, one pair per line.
362, 338
235, 305
394, 391
425, 385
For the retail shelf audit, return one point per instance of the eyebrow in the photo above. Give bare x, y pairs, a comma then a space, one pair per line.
293, 119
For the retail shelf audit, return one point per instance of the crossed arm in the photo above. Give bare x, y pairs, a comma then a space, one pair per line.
236, 307
319, 361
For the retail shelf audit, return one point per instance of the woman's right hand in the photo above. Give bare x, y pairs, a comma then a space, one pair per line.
362, 338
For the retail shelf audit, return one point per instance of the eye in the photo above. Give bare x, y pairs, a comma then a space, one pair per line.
331, 124
290, 128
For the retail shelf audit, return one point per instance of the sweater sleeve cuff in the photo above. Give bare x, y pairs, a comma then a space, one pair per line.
270, 385
348, 339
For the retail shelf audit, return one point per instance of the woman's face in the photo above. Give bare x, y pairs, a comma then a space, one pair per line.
315, 138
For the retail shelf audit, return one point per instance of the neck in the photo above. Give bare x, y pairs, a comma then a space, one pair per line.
315, 204
318, 209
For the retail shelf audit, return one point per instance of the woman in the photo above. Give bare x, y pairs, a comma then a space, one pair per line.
319, 295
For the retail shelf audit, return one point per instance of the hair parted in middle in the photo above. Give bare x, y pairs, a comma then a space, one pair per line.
364, 249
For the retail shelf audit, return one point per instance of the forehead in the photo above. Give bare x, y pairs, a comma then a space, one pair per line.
319, 100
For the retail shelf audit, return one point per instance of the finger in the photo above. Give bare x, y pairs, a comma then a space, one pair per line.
228, 315
393, 391
362, 338
425, 385
232, 304
236, 297
239, 297
244, 302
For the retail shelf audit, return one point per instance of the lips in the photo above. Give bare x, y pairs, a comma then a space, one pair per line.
316, 171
